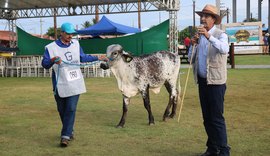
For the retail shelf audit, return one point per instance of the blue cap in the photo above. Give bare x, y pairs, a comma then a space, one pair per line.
68, 28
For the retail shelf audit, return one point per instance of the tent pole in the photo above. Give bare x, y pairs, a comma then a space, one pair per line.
139, 14
55, 24
96, 14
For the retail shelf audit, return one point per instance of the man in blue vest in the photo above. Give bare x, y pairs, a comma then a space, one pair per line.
67, 79
210, 73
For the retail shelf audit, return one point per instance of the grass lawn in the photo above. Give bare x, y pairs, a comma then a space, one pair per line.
252, 59
30, 125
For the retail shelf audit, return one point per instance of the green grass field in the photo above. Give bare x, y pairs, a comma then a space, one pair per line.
252, 59
30, 124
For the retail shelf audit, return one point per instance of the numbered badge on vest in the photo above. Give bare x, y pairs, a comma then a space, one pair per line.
72, 75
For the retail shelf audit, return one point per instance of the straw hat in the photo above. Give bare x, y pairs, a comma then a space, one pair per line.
211, 10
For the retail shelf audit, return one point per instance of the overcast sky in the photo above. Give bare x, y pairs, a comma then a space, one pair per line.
185, 17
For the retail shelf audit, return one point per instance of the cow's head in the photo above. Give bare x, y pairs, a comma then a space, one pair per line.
116, 52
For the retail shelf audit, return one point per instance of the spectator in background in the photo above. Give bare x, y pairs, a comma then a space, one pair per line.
187, 43
265, 42
268, 39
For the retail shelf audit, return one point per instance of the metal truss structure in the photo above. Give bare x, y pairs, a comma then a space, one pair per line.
173, 36
79, 10
37, 9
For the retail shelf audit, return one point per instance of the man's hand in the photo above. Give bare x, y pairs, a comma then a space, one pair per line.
194, 39
56, 60
203, 31
103, 58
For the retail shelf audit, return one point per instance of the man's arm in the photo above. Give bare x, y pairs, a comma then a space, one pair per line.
87, 58
220, 43
46, 61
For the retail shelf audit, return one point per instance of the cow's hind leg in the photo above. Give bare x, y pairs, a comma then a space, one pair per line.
125, 109
172, 101
146, 102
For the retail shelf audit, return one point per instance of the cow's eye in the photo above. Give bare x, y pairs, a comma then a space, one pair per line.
114, 53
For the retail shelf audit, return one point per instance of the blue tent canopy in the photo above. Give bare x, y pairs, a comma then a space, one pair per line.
107, 27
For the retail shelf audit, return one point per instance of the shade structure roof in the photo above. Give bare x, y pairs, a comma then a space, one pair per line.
17, 9
108, 27
31, 4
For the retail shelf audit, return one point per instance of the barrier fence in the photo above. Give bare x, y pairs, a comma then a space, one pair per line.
30, 66
231, 57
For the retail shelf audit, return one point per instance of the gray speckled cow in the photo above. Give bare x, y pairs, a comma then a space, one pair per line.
139, 74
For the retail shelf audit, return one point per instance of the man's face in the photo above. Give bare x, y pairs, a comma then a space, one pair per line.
65, 37
208, 21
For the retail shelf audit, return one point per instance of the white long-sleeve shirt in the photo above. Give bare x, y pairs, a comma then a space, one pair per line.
220, 43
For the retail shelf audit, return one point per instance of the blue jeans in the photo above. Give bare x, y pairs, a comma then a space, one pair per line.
212, 104
67, 110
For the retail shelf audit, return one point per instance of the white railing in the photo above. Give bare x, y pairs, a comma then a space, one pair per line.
30, 66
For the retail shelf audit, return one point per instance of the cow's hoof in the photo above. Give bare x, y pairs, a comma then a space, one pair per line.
151, 124
172, 115
165, 119
119, 126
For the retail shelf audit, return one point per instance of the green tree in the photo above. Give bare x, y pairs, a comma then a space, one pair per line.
87, 24
94, 21
251, 20
50, 32
187, 32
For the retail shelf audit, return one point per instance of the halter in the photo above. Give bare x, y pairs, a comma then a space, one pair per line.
112, 59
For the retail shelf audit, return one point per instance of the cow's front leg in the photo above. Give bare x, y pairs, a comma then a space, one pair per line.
146, 102
125, 109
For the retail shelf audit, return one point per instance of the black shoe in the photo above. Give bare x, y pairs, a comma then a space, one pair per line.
207, 153
64, 142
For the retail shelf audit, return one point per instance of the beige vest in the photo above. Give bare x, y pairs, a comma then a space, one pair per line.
216, 64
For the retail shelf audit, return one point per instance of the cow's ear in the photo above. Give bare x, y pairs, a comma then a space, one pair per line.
127, 57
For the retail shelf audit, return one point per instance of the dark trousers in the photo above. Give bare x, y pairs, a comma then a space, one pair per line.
67, 110
212, 104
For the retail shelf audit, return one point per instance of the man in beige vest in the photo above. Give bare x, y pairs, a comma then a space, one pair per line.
209, 60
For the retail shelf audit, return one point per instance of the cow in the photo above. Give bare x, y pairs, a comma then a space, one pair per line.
143, 73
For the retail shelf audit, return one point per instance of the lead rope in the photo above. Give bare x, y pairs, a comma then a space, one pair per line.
185, 88
72, 64
55, 89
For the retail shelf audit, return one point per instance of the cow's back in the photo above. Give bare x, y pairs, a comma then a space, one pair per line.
156, 68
